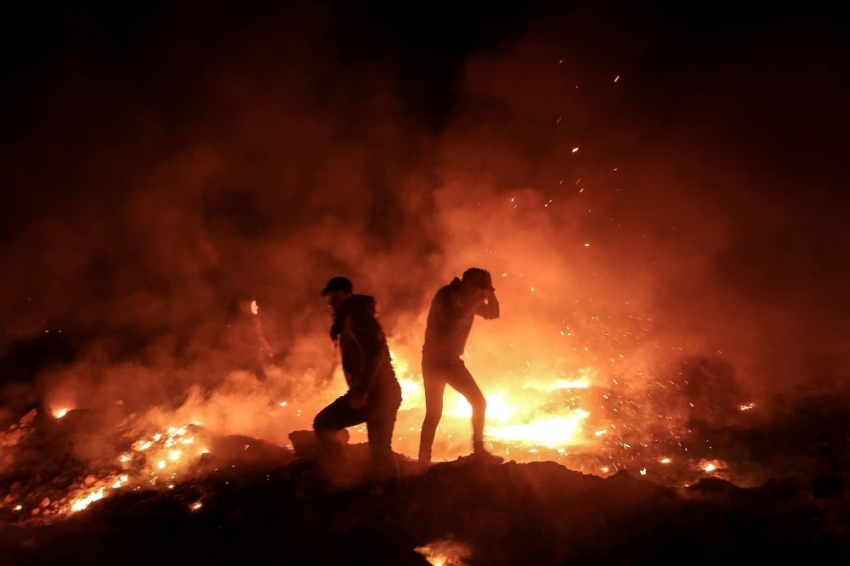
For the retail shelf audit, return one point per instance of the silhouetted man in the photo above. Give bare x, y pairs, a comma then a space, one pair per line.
374, 394
453, 310
249, 348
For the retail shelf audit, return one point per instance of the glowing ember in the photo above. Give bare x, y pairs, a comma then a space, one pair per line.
60, 413
81, 504
604, 469
196, 505
445, 553
139, 466
600, 432
18, 507
643, 471
254, 308
710, 468
747, 407
665, 460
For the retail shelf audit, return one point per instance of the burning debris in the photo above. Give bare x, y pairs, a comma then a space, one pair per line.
456, 513
545, 419
150, 461
445, 553
140, 460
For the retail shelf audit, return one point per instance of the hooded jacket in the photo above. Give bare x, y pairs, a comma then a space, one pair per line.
449, 322
363, 346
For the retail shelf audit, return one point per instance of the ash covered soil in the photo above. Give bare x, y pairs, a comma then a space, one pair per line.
263, 505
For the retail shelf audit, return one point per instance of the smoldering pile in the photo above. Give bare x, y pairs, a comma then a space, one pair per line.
53, 466
266, 507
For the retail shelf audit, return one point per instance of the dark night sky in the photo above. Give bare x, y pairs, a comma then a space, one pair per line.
152, 50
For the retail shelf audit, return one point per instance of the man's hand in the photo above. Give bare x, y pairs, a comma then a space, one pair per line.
478, 298
357, 400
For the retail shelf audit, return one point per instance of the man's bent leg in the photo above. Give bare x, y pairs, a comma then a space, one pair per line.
382, 410
327, 424
435, 386
463, 382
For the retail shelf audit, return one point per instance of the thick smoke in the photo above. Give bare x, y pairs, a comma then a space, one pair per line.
158, 189
612, 185
254, 170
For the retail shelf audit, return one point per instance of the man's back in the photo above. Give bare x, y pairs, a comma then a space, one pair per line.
448, 324
363, 346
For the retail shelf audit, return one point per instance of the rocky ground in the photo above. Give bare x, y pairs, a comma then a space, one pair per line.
242, 500
264, 506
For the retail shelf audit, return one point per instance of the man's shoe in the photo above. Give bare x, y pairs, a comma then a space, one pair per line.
486, 457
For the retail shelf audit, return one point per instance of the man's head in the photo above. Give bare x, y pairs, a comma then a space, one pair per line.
477, 283
337, 291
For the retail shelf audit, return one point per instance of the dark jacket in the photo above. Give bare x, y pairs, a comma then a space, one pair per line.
449, 323
363, 346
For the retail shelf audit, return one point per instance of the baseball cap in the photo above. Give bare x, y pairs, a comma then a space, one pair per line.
338, 284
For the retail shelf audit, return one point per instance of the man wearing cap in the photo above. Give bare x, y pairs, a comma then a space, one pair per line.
450, 319
374, 394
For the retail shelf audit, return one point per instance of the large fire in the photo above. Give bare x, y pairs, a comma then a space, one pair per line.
596, 418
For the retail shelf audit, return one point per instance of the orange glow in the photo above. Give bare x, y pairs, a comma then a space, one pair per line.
82, 503
158, 452
445, 553
548, 431
60, 413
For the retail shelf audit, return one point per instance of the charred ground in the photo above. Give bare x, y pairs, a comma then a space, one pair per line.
247, 500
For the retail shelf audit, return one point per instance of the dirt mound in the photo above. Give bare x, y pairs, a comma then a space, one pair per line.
264, 508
